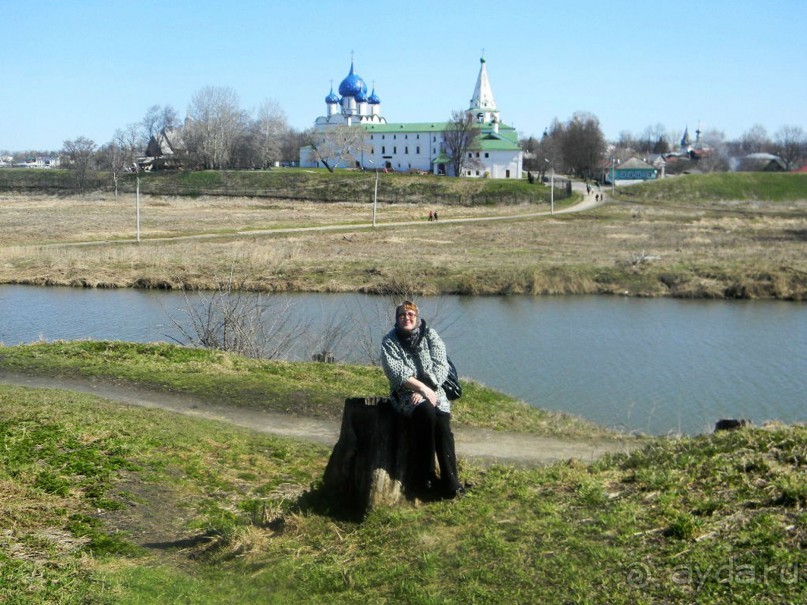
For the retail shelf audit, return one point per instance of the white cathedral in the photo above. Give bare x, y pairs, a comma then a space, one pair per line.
418, 147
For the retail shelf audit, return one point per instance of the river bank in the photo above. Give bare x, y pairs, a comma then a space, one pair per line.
712, 249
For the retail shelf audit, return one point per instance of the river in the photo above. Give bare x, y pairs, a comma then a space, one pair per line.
656, 366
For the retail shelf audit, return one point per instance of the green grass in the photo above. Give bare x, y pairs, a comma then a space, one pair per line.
26, 179
302, 388
343, 185
102, 503
293, 183
721, 186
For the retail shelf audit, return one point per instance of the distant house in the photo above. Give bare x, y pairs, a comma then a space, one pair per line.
163, 151
658, 162
761, 162
40, 162
632, 171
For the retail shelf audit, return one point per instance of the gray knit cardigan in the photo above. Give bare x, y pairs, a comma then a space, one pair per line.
428, 363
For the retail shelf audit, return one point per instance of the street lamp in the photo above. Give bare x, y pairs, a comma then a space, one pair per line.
375, 190
551, 186
137, 201
614, 162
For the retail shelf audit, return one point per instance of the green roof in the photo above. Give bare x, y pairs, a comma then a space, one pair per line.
498, 144
505, 140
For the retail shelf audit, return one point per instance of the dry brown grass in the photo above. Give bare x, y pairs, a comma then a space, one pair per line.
714, 250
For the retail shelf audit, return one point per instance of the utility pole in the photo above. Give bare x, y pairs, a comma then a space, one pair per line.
137, 202
375, 189
551, 186
375, 194
552, 191
614, 162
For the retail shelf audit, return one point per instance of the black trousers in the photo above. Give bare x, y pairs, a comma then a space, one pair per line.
431, 435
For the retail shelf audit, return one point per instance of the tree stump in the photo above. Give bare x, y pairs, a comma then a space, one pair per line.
370, 461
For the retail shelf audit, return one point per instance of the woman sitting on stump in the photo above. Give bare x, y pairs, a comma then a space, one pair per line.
415, 362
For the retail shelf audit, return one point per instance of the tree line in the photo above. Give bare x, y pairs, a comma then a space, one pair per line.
217, 134
578, 147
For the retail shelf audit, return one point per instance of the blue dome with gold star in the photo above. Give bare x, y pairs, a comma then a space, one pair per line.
353, 85
374, 100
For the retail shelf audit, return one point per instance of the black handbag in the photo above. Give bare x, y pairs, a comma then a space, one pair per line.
452, 386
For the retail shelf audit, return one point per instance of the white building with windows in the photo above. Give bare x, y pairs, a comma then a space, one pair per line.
418, 146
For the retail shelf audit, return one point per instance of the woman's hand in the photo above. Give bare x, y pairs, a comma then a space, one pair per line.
426, 394
421, 392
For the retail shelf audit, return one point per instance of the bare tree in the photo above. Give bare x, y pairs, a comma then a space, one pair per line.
337, 146
108, 157
158, 119
581, 143
327, 342
216, 125
652, 137
80, 155
291, 143
791, 145
530, 148
460, 137
627, 141
551, 154
267, 133
122, 152
232, 319
755, 140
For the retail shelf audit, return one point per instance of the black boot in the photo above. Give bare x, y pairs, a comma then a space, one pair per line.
447, 458
424, 481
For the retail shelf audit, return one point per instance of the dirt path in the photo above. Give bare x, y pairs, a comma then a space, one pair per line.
587, 203
481, 444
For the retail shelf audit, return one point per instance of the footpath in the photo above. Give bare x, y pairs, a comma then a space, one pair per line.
483, 445
590, 200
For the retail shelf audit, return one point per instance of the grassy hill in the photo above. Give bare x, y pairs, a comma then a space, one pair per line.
351, 185
103, 503
721, 186
290, 183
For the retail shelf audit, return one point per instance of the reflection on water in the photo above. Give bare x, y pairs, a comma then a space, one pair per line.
652, 365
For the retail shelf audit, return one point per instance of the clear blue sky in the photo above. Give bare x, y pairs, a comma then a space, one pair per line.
87, 67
